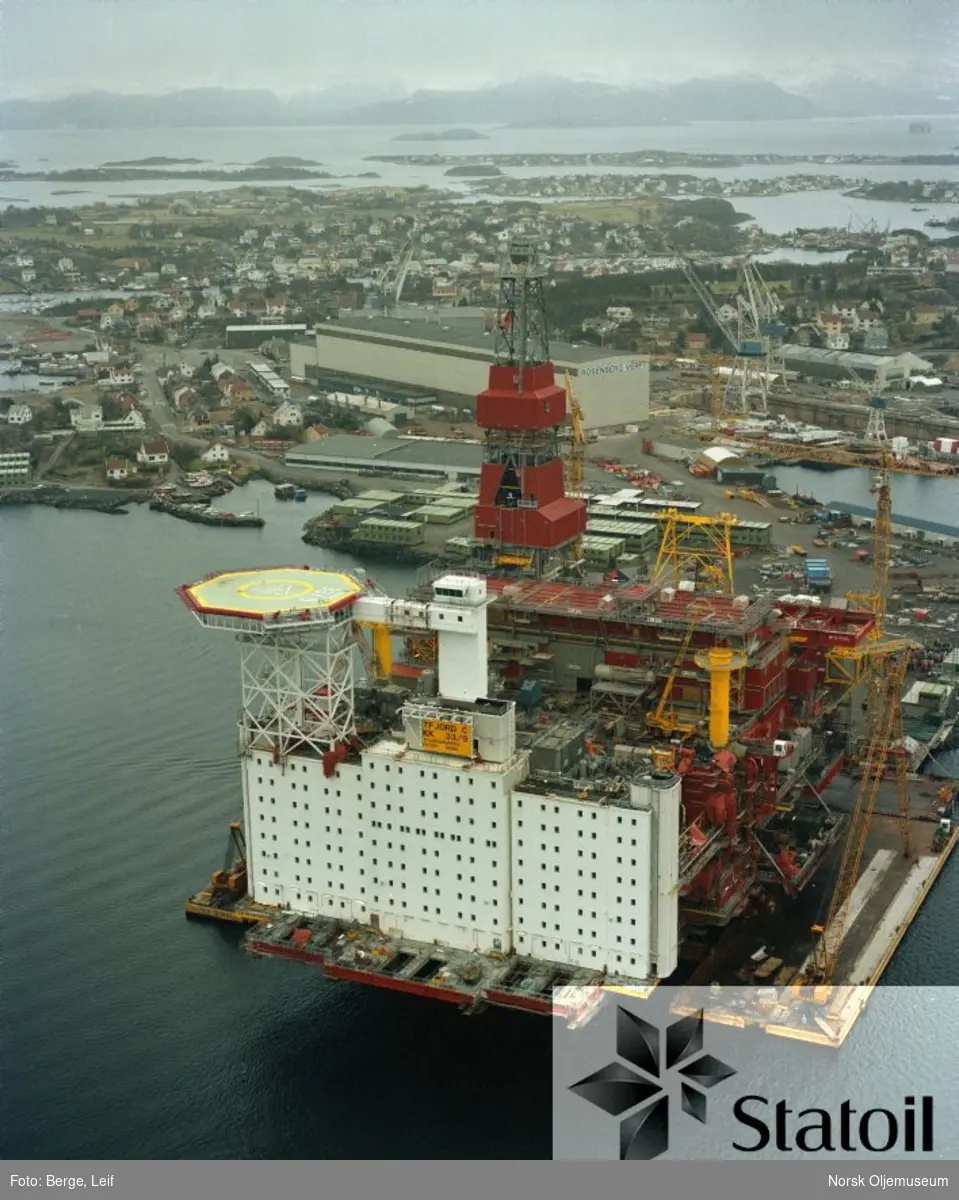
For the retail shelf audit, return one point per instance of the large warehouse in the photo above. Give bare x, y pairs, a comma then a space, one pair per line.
392, 456
878, 369
453, 360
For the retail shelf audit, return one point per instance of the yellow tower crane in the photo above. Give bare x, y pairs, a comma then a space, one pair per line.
884, 716
576, 462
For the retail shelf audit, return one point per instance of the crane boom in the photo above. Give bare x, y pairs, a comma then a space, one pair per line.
576, 473
884, 682
663, 717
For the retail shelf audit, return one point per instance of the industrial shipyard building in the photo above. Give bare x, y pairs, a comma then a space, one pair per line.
448, 352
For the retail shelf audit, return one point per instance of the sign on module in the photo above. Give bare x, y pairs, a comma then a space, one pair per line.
448, 737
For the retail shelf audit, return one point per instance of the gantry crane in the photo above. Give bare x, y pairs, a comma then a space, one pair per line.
389, 283
704, 542
756, 335
876, 401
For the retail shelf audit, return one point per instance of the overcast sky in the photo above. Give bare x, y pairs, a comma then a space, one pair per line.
54, 47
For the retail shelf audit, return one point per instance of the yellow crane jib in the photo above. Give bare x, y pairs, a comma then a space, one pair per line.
664, 716
576, 465
884, 723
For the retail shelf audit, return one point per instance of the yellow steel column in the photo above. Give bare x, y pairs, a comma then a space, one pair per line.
383, 650
720, 662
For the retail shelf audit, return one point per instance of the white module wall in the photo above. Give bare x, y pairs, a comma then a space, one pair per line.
582, 883
420, 845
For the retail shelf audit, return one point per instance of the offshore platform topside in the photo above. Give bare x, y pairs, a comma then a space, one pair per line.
544, 787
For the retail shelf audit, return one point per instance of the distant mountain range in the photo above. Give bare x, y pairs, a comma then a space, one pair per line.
532, 103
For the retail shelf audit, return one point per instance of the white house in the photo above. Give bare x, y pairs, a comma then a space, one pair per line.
88, 418
288, 414
219, 370
119, 468
131, 420
837, 340
617, 313
260, 429
153, 454
65, 265
20, 414
217, 453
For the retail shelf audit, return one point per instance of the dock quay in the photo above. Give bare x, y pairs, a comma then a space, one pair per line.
103, 500
884, 903
203, 515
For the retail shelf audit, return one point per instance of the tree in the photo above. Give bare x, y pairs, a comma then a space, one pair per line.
245, 419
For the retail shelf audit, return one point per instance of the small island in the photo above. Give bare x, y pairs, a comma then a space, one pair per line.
442, 135
916, 191
598, 123
155, 160
285, 160
474, 171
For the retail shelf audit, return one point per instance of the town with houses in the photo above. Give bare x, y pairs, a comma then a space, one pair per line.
127, 295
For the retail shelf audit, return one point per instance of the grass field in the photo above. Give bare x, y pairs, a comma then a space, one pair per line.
612, 212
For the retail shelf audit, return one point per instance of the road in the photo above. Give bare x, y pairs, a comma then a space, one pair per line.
151, 393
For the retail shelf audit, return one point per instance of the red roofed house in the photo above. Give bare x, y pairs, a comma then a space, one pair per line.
237, 391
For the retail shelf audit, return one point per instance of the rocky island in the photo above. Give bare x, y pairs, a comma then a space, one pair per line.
441, 135
474, 171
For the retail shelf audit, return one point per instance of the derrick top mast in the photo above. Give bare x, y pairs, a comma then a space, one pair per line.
521, 337
524, 515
